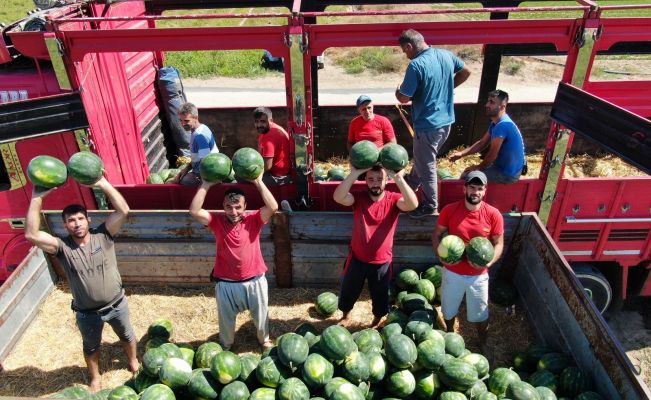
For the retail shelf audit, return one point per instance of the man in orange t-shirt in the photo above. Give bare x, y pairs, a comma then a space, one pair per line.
369, 126
274, 146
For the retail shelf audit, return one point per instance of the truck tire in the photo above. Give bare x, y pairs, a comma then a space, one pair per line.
595, 285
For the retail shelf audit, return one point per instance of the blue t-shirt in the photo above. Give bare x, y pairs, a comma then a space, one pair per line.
429, 81
510, 158
202, 143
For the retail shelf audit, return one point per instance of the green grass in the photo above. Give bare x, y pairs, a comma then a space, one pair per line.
377, 59
204, 64
14, 10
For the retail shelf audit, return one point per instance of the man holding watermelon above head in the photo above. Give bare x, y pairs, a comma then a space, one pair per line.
467, 219
239, 267
375, 216
88, 259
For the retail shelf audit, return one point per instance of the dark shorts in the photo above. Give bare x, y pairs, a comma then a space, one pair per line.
91, 324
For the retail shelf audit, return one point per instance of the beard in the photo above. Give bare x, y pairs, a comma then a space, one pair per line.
188, 128
474, 200
375, 192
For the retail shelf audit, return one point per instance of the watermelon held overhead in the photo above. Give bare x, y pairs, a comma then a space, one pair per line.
480, 251
215, 167
451, 249
364, 154
247, 163
85, 167
47, 172
394, 157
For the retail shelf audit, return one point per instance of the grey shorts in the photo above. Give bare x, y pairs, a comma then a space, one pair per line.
494, 175
91, 325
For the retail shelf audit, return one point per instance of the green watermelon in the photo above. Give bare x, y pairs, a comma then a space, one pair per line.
546, 393
215, 167
427, 316
480, 251
406, 279
486, 396
573, 382
336, 343
502, 293
171, 350
155, 179
401, 351
454, 344
450, 249
175, 373
479, 362
205, 353
589, 396
428, 385
393, 157
203, 385
172, 174
425, 288
47, 172
431, 355
123, 393
234, 391
535, 352
293, 350
155, 342
336, 173
364, 154
347, 391
555, 362
226, 367
500, 380
271, 372
158, 391
478, 388
522, 391
458, 375
390, 330
356, 367
249, 364
187, 354
416, 329
305, 327
292, 389
73, 392
377, 366
333, 385
247, 163
434, 274
143, 380
263, 394
104, 395
320, 173
85, 167
434, 335
326, 304
443, 173
401, 383
397, 316
369, 340
152, 361
414, 302
544, 378
317, 371
452, 396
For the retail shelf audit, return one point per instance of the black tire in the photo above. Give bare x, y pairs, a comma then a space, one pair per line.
595, 284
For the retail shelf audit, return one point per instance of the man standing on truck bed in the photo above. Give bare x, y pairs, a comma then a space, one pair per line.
429, 84
375, 216
239, 268
275, 147
202, 143
469, 218
504, 162
88, 259
369, 126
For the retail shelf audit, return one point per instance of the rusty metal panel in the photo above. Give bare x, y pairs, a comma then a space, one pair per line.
21, 296
563, 317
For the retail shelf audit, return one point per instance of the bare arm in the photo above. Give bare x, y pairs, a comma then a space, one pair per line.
437, 235
39, 238
186, 168
119, 216
461, 76
409, 201
196, 206
401, 97
349, 145
342, 192
268, 163
498, 244
477, 146
493, 151
270, 203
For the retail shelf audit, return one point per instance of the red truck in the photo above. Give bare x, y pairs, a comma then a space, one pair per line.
85, 78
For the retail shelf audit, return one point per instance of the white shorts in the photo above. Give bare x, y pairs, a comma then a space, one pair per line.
475, 287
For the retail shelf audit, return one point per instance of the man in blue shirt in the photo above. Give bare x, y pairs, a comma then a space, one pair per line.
202, 143
505, 158
429, 84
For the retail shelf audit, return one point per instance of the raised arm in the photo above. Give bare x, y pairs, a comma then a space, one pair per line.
409, 200
342, 192
39, 238
119, 216
196, 207
270, 203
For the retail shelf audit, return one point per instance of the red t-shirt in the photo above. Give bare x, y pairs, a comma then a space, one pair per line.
378, 130
237, 246
374, 223
276, 144
486, 221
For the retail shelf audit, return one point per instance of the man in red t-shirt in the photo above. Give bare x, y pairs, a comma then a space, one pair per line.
375, 216
469, 218
275, 147
369, 126
239, 267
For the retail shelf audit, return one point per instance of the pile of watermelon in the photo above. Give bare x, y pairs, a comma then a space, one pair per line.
163, 176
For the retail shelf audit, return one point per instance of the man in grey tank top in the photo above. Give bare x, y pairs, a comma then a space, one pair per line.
88, 259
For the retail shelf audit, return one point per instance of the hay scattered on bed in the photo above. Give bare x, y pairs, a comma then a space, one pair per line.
48, 358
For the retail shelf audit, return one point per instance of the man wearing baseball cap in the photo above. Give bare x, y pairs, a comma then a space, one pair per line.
369, 126
469, 218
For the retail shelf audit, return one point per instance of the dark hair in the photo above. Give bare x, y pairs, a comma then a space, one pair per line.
500, 94
260, 111
376, 168
73, 209
233, 195
189, 108
412, 37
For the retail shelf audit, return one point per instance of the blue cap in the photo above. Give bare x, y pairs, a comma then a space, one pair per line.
363, 99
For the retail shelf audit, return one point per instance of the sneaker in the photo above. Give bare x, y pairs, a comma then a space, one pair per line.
284, 205
422, 212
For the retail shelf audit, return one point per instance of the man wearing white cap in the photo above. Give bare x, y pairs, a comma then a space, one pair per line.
369, 126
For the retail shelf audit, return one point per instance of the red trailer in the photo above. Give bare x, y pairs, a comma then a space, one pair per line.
89, 82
